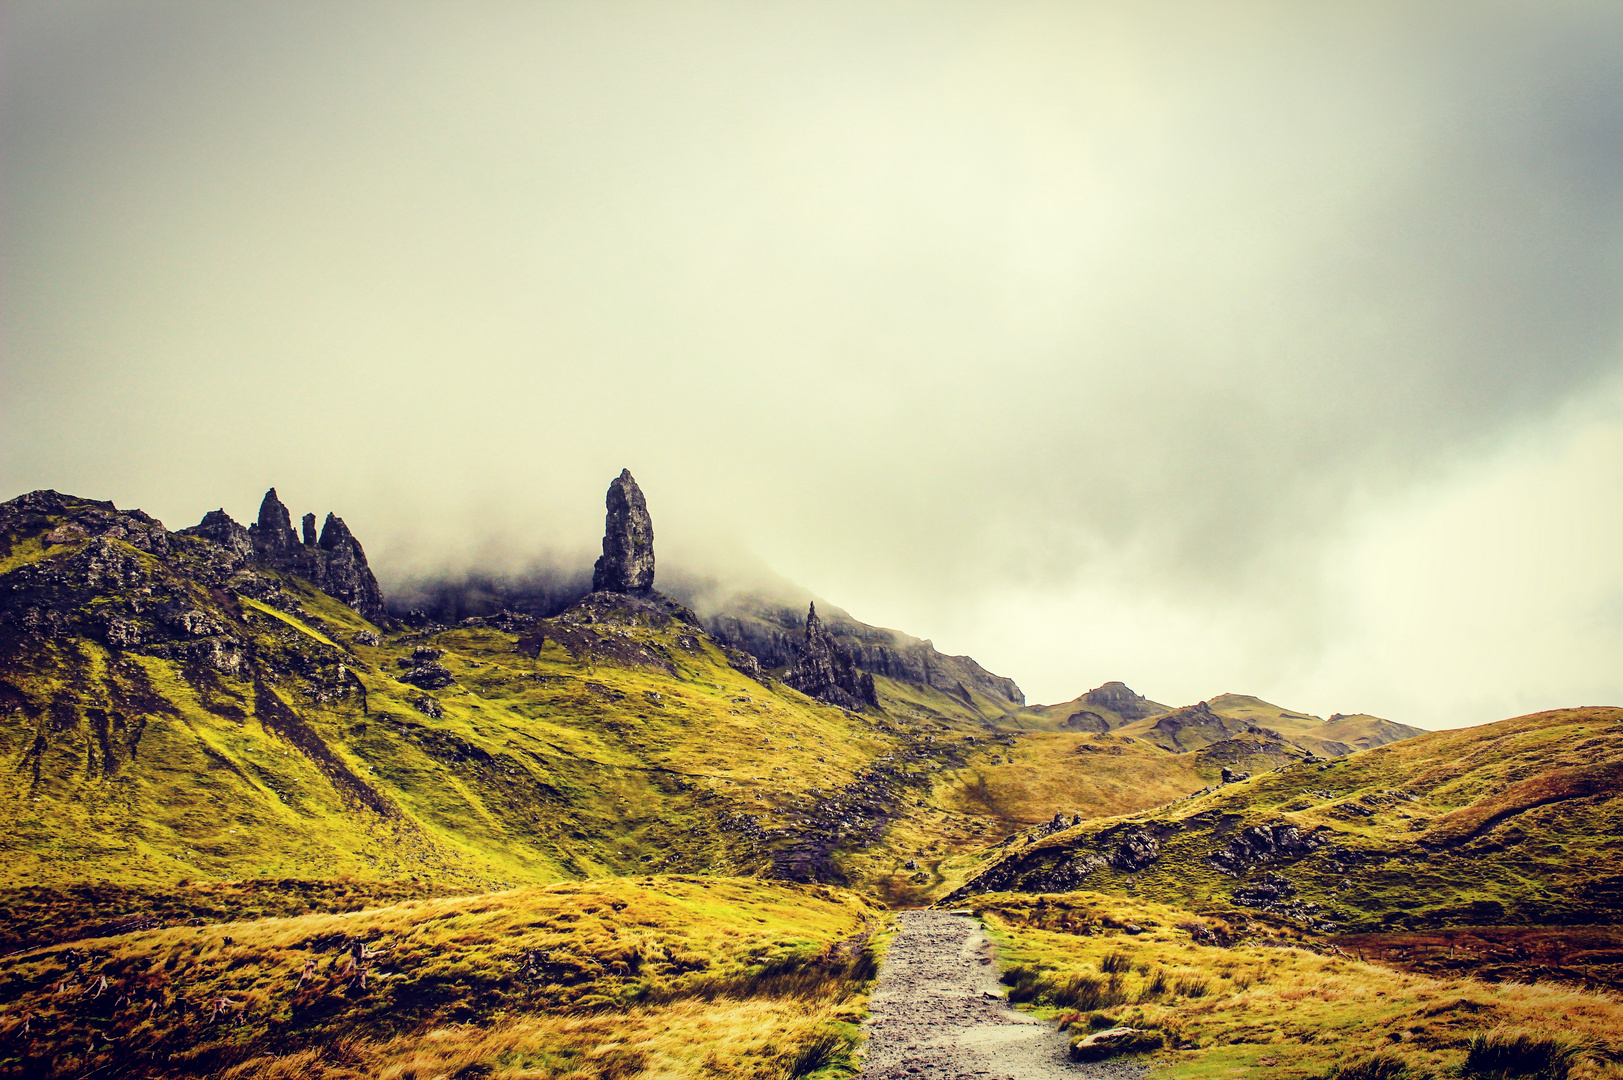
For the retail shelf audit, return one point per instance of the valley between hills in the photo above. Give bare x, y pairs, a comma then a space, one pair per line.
258, 823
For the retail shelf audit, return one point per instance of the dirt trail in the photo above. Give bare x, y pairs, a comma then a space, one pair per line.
937, 1013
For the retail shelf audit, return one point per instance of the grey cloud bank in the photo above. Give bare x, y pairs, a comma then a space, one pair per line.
1223, 347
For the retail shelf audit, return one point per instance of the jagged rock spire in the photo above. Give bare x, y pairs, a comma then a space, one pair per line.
824, 670
334, 563
349, 578
627, 564
273, 532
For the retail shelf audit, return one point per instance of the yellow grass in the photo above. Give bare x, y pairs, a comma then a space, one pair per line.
1266, 1000
616, 977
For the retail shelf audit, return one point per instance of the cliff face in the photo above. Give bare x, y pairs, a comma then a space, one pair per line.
772, 633
823, 669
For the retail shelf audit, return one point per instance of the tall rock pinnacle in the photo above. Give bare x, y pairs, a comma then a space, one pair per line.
273, 532
348, 577
333, 563
824, 670
627, 565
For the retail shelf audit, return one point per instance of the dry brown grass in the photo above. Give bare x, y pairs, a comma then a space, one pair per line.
1556, 785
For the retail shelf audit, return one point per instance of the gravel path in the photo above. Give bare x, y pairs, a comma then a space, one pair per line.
938, 1012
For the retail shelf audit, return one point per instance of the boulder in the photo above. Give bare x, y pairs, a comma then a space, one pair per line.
1138, 849
1117, 1040
428, 676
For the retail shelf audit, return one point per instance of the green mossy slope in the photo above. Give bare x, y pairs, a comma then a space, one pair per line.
1515, 822
168, 714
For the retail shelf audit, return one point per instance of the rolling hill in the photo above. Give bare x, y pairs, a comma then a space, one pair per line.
1515, 822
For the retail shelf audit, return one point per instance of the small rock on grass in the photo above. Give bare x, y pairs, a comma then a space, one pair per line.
1117, 1040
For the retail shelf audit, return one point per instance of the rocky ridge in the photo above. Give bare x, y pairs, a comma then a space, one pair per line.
823, 669
121, 579
774, 633
334, 562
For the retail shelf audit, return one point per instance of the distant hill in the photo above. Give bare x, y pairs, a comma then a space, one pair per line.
1104, 708
1509, 823
1341, 734
1233, 730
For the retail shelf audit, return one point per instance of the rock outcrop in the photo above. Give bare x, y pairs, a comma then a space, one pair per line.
627, 563
1120, 699
272, 535
335, 562
1197, 725
218, 526
346, 574
770, 630
824, 670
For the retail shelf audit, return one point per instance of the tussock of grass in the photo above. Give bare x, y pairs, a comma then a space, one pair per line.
1116, 962
1064, 990
1381, 1065
1509, 1054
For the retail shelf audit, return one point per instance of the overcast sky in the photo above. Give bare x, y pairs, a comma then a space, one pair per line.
1267, 348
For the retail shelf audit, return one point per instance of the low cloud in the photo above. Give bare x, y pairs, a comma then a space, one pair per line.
949, 316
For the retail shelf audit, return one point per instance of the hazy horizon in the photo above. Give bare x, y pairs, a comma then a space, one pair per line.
1211, 348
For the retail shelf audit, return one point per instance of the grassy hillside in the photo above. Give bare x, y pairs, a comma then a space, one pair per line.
640, 746
1227, 997
1516, 822
169, 720
607, 978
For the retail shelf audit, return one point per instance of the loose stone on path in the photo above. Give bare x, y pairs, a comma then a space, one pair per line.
938, 1012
